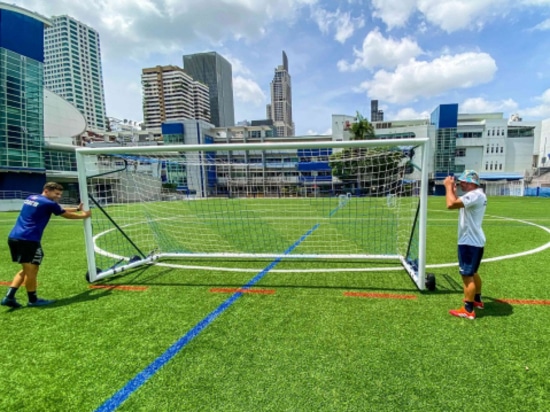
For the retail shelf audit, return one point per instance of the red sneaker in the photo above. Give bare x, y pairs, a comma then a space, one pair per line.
463, 313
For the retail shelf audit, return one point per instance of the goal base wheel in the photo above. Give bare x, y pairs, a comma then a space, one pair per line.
430, 281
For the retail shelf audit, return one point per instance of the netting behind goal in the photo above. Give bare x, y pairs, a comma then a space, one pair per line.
324, 200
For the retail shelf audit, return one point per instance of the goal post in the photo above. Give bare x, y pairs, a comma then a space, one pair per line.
355, 200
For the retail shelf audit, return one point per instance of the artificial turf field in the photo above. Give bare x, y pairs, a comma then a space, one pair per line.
169, 339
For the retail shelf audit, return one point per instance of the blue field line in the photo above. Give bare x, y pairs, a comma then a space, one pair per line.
118, 398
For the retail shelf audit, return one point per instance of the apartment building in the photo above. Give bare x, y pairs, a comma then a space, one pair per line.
170, 93
72, 68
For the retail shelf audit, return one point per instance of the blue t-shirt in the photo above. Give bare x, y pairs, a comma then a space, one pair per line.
33, 218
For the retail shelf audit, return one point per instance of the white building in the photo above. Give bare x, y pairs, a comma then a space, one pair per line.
72, 68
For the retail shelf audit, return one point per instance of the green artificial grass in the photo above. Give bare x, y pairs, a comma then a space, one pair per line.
304, 347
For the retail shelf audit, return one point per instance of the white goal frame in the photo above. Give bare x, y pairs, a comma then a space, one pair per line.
416, 271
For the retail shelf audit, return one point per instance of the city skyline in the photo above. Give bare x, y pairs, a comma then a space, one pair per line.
410, 55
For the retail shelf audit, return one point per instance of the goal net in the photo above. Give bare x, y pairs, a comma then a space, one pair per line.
360, 200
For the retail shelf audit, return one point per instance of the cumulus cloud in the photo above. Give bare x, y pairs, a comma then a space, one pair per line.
139, 27
481, 105
449, 15
342, 23
248, 91
379, 51
395, 13
543, 26
541, 110
427, 79
410, 113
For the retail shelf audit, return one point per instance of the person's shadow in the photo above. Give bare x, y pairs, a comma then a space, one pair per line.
495, 307
86, 296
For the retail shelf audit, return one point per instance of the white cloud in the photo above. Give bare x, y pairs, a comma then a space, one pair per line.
481, 105
237, 66
379, 51
395, 13
140, 27
409, 113
342, 23
540, 111
427, 79
449, 15
248, 91
453, 15
543, 26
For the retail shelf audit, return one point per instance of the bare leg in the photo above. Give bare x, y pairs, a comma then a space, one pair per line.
30, 273
469, 288
478, 283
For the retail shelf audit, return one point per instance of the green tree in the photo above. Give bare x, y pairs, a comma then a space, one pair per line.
362, 129
372, 170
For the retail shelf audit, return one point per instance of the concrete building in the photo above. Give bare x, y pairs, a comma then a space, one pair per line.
376, 115
280, 109
170, 93
216, 72
72, 68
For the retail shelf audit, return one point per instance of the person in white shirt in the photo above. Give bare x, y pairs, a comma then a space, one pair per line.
471, 239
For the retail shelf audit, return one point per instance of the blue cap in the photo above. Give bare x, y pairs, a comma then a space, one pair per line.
469, 176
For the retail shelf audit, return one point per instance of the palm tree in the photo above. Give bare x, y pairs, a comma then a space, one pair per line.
362, 129
366, 168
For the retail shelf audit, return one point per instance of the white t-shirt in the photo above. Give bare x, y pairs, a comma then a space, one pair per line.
471, 217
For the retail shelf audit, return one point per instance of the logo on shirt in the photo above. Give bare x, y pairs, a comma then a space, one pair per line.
31, 203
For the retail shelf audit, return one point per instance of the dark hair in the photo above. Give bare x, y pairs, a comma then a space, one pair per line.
53, 186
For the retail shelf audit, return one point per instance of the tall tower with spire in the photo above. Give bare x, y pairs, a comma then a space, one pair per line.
280, 109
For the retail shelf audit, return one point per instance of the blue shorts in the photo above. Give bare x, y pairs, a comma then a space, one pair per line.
469, 259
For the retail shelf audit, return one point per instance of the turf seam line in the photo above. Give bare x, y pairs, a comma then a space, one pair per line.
135, 383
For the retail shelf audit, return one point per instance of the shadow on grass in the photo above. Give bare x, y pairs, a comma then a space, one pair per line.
86, 296
495, 307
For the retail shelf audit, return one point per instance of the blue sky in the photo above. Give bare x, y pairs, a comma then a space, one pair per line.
411, 55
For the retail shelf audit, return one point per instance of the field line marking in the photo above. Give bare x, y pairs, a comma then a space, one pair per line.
135, 383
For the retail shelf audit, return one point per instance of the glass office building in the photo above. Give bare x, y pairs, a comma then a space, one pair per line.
21, 99
215, 72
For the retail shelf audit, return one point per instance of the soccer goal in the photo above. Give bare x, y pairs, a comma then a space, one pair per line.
344, 201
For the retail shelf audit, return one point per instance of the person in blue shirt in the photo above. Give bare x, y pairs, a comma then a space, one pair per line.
25, 237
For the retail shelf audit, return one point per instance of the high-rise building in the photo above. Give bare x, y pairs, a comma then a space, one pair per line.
280, 109
72, 68
169, 93
21, 99
213, 70
375, 114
